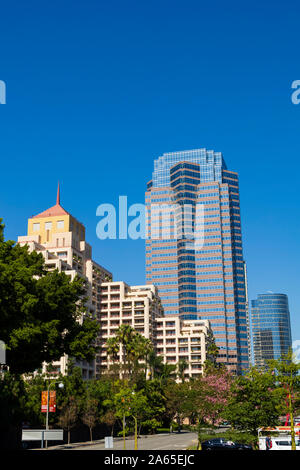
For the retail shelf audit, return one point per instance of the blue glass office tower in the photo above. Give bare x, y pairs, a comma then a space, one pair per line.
203, 279
271, 329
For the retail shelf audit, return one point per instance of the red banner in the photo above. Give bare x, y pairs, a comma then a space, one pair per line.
52, 401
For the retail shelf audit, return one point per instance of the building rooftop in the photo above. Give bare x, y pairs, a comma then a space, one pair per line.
54, 210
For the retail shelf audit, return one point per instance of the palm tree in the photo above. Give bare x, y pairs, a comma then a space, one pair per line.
181, 366
156, 364
133, 345
160, 370
143, 349
168, 372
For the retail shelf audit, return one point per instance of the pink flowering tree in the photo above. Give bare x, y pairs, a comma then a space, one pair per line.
217, 387
211, 396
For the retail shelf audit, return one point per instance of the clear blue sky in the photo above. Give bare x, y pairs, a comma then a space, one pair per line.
97, 90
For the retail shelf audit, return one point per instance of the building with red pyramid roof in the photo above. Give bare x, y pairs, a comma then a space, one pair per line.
60, 237
54, 210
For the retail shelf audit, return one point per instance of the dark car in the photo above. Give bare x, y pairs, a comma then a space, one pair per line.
224, 444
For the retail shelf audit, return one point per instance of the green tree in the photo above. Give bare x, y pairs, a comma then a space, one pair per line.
122, 406
102, 391
134, 347
140, 410
159, 370
40, 311
178, 401
181, 367
109, 418
212, 354
90, 415
34, 385
74, 386
13, 398
154, 392
69, 415
144, 348
286, 371
155, 365
255, 401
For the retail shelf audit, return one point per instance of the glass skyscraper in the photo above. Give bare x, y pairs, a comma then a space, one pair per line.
194, 247
271, 329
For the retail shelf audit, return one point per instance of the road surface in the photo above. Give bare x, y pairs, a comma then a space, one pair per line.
175, 441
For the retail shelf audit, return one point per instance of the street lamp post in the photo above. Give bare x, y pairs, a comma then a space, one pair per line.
61, 385
135, 430
124, 424
135, 433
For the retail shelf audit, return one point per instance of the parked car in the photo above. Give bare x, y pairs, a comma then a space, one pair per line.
224, 444
279, 443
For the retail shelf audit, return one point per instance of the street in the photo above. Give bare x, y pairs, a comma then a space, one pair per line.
175, 441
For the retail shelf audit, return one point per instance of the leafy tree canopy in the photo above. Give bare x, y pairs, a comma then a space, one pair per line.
255, 401
39, 311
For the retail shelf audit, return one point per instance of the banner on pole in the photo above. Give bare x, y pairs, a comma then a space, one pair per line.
52, 401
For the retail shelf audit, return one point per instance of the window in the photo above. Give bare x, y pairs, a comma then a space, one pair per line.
60, 224
36, 227
170, 341
48, 225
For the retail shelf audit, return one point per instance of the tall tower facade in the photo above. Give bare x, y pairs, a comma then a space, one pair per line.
271, 328
194, 249
60, 237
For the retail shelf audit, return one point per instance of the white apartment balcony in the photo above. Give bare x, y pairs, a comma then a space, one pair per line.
127, 305
139, 314
126, 314
196, 358
196, 367
114, 306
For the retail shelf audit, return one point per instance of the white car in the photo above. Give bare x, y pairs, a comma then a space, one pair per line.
279, 443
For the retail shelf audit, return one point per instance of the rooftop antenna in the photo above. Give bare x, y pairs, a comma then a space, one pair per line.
58, 196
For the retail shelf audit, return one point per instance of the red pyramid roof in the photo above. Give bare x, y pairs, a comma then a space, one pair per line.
54, 210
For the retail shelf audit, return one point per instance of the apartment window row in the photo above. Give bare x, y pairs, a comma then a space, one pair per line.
48, 225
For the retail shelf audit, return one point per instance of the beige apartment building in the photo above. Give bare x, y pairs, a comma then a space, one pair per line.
61, 239
121, 304
140, 307
183, 340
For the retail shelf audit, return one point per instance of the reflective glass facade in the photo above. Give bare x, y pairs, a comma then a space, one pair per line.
204, 279
271, 328
210, 163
